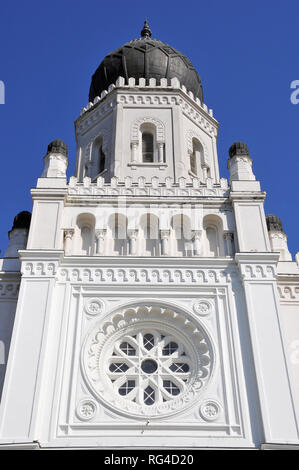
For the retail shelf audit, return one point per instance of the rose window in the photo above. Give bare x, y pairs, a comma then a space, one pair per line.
147, 360
149, 368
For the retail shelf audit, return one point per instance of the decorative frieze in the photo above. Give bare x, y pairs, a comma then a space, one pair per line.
39, 269
258, 272
192, 107
100, 188
9, 290
170, 276
288, 292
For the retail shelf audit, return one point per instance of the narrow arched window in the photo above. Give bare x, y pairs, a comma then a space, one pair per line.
101, 159
193, 163
195, 157
147, 147
212, 248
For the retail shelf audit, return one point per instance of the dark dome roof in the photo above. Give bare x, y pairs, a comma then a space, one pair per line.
58, 146
145, 58
273, 223
22, 220
238, 148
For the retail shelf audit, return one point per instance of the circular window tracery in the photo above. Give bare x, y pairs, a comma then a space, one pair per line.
147, 360
149, 367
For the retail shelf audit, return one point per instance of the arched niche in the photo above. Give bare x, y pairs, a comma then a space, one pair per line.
85, 236
96, 155
99, 157
149, 235
199, 163
213, 241
148, 141
117, 234
181, 235
149, 151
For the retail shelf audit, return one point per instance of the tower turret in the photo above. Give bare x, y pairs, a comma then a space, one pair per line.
278, 239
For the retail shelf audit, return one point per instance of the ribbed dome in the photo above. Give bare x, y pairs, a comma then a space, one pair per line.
273, 223
238, 148
58, 146
22, 220
145, 58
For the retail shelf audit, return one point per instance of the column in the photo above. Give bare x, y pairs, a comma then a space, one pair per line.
134, 146
164, 237
258, 273
68, 236
204, 173
133, 234
100, 236
161, 152
196, 242
229, 237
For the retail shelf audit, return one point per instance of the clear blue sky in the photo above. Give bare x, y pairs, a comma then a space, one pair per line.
246, 53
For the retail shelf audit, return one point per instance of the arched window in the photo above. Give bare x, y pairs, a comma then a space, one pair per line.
148, 142
147, 147
213, 240
197, 161
181, 231
212, 245
149, 233
98, 161
101, 159
86, 240
195, 158
118, 234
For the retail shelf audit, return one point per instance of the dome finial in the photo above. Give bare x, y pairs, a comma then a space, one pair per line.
146, 32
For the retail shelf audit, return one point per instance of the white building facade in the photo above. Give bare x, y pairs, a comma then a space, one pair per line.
153, 304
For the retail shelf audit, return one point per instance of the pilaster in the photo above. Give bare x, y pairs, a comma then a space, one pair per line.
258, 271
22, 382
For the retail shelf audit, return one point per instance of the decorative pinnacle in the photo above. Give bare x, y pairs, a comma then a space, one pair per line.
146, 32
273, 223
238, 148
58, 146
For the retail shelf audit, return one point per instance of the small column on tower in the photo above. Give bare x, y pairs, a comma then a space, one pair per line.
229, 242
134, 146
56, 161
68, 237
197, 238
165, 239
18, 235
240, 168
100, 237
278, 239
161, 152
133, 235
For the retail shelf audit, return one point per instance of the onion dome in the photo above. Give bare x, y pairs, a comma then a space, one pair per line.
238, 148
22, 220
147, 58
58, 146
273, 223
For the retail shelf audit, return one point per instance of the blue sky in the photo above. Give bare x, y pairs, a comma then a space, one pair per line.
245, 52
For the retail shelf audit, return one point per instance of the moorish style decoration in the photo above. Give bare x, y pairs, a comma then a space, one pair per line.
148, 302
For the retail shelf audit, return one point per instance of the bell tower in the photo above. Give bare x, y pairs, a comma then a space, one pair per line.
154, 296
146, 118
